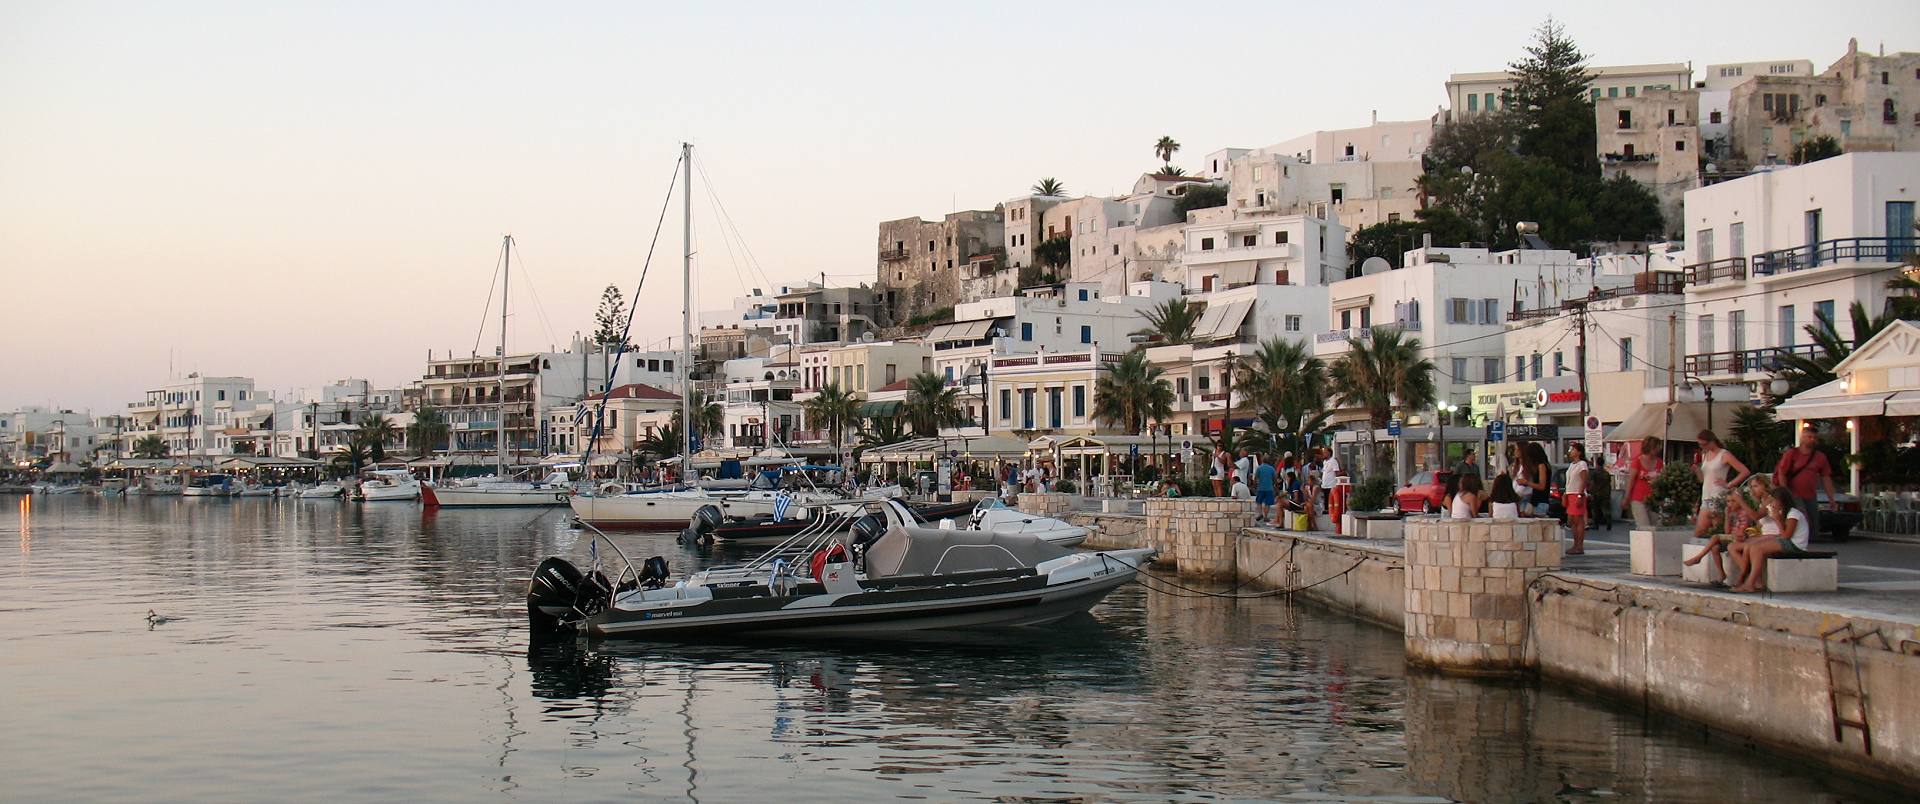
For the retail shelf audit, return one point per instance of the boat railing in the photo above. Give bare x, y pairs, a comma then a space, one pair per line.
626, 564
806, 541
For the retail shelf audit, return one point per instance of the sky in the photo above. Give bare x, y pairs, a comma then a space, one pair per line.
306, 192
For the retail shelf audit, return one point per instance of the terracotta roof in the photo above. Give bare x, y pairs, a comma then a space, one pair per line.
637, 390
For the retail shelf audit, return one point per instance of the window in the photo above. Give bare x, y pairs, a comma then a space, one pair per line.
1256, 172
1519, 367
1259, 199
1613, 92
1026, 408
1883, 77
1705, 251
1813, 227
1053, 407
1086, 334
1460, 311
1706, 334
1026, 330
1736, 240
1737, 330
1823, 310
1249, 241
1786, 325
1293, 323
1680, 145
1083, 294
1594, 94
1346, 319
220, 395
1006, 403
1459, 369
1079, 401
1490, 369
929, 246
1626, 354
1489, 311
666, 365
1713, 117
1339, 191
1203, 382
1206, 244
1366, 317
1536, 367
1630, 91
1393, 217
1280, 238
1116, 249
1559, 363
1887, 113
1671, 117
1473, 103
1489, 101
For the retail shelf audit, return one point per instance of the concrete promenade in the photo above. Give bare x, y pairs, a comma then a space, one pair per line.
1761, 669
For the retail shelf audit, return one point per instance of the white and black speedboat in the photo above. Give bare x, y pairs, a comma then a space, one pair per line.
994, 515
884, 575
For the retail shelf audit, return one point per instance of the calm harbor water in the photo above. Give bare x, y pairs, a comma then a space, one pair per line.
328, 650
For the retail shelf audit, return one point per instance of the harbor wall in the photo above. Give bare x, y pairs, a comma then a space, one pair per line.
1753, 670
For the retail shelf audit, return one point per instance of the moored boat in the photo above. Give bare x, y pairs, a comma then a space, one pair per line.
387, 485
553, 490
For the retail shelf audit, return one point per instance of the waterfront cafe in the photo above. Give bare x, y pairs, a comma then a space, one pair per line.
1875, 397
979, 455
270, 470
1102, 463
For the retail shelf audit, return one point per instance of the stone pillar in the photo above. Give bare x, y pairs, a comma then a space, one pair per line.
1159, 530
1045, 504
1204, 532
1466, 605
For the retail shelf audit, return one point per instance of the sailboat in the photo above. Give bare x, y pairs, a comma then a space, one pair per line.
499, 491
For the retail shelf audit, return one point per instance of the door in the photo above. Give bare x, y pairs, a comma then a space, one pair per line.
1813, 237
1900, 233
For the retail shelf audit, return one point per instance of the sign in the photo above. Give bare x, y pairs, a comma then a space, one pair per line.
1186, 444
1496, 431
1594, 444
1393, 427
1530, 432
1133, 450
1544, 397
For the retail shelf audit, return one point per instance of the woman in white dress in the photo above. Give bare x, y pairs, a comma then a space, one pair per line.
1715, 460
1467, 502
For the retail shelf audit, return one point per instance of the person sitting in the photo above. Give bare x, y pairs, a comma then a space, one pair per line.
1466, 503
1448, 492
1744, 514
1786, 533
1505, 502
1240, 490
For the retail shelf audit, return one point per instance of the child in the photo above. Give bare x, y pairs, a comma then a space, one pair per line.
1505, 501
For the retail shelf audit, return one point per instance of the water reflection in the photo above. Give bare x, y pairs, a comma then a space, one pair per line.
375, 651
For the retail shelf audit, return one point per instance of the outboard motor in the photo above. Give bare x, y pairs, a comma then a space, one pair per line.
559, 593
653, 573
701, 525
868, 529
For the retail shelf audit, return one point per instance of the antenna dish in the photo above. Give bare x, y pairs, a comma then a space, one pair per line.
1375, 265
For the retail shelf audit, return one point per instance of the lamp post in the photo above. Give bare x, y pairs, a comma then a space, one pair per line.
1443, 411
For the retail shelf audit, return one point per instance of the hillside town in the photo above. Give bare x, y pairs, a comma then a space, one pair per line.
1776, 201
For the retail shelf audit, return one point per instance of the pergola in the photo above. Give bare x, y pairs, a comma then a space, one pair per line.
1103, 448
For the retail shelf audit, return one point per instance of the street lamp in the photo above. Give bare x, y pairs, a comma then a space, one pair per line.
1445, 411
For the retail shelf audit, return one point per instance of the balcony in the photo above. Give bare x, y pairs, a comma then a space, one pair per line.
891, 254
1344, 335
1744, 361
1269, 251
1828, 252
1701, 273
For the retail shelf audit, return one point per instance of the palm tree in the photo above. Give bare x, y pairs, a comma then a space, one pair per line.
375, 432
1803, 372
1049, 186
1165, 149
428, 431
1173, 170
1131, 392
708, 418
931, 404
1383, 372
836, 409
881, 431
151, 446
664, 441
1284, 382
350, 460
1171, 322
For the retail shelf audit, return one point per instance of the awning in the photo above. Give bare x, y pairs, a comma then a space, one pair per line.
1831, 401
1905, 403
1689, 418
1221, 321
886, 409
961, 331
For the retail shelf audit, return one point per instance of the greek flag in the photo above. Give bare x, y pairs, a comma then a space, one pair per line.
593, 550
781, 502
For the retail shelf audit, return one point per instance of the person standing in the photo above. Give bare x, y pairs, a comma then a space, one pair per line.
1640, 474
1469, 464
1535, 478
1218, 473
1264, 478
1715, 460
1802, 469
1330, 475
1574, 496
1243, 468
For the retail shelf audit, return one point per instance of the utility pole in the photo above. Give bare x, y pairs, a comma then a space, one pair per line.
1673, 363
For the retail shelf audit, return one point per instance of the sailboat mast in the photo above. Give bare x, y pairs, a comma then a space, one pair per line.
686, 312
500, 390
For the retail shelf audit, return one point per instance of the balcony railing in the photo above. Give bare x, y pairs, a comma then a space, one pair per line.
1826, 252
1701, 273
1745, 361
890, 254
1341, 335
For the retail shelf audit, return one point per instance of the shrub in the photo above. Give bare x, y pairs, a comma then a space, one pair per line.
1064, 487
1372, 494
1676, 494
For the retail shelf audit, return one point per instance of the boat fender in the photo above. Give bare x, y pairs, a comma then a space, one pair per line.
821, 558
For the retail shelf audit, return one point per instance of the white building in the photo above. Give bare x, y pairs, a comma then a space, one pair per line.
1769, 252
59, 435
191, 415
1473, 93
1359, 176
1716, 91
467, 390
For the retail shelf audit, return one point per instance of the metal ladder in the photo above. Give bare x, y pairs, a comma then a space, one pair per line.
1845, 689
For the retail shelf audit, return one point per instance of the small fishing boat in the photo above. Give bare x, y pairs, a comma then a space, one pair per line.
322, 491
386, 485
883, 575
215, 485
554, 489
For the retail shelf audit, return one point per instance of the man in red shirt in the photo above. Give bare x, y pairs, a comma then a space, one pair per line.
1800, 469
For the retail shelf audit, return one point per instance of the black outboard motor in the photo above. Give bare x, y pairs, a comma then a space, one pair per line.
700, 527
559, 594
653, 573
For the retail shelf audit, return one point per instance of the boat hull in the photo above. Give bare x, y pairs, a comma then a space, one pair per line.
401, 493
482, 497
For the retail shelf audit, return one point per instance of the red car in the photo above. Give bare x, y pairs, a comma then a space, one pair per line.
1424, 494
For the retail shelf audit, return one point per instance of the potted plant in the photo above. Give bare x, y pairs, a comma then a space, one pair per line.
1673, 501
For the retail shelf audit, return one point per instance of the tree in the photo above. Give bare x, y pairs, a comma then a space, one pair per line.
1381, 373
610, 326
1816, 149
350, 460
1173, 170
1550, 103
881, 431
1284, 382
428, 431
374, 433
1170, 322
151, 446
1388, 241
834, 409
931, 404
1758, 438
1131, 392
1049, 186
1200, 196
664, 441
1054, 252
1165, 149
1624, 209
1803, 372
708, 418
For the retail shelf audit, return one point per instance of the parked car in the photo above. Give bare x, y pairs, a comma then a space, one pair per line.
1838, 516
1423, 494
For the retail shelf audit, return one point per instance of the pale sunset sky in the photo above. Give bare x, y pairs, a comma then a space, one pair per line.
305, 192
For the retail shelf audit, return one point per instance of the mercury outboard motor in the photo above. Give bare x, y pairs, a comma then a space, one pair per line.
559, 594
653, 573
868, 529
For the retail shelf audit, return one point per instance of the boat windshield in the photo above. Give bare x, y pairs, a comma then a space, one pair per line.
911, 551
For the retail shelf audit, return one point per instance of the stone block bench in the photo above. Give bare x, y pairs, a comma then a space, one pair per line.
1803, 572
1659, 552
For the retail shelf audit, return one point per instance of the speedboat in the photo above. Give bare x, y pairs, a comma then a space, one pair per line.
676, 509
389, 484
322, 491
708, 524
884, 575
496, 493
252, 489
209, 486
157, 487
994, 515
